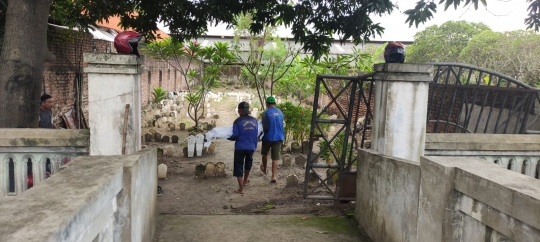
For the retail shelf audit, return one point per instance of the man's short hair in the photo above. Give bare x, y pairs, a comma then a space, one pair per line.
45, 97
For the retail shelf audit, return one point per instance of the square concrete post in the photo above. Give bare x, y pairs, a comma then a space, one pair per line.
114, 80
400, 114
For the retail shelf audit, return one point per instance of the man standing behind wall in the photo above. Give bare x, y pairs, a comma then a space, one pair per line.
272, 121
45, 113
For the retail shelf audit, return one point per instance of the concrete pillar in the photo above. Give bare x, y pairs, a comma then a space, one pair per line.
113, 81
400, 114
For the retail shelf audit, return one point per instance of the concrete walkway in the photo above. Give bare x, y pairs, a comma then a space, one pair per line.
255, 228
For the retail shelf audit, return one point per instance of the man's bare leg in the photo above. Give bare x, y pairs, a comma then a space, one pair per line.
240, 184
264, 163
274, 170
246, 175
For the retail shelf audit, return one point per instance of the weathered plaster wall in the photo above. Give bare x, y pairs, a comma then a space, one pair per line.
445, 199
138, 200
399, 125
114, 81
462, 197
387, 196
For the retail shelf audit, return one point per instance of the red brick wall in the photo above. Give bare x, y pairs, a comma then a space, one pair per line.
160, 73
59, 75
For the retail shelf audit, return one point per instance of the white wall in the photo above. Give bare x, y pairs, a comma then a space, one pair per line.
113, 81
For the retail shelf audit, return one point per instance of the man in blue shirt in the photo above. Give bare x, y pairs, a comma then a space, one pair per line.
272, 121
245, 130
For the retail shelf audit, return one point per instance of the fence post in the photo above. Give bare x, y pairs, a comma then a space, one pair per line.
114, 80
400, 113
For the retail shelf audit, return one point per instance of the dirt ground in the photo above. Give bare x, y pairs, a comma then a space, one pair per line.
184, 194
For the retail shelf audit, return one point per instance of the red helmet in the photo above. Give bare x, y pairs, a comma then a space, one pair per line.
394, 52
126, 42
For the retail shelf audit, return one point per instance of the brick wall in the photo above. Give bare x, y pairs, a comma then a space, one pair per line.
162, 74
59, 76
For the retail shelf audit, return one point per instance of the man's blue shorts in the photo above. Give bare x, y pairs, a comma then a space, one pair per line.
242, 158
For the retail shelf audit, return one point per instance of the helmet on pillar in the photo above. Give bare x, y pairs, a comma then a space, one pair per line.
127, 42
394, 52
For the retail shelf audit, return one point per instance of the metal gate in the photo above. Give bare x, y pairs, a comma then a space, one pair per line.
340, 124
470, 99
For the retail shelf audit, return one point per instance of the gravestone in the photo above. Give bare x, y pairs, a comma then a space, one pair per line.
205, 126
313, 160
210, 169
150, 123
157, 136
165, 139
305, 147
313, 179
159, 152
174, 139
184, 150
200, 171
300, 161
172, 126
152, 131
296, 148
220, 169
213, 122
148, 137
199, 144
182, 126
287, 160
191, 146
292, 181
212, 148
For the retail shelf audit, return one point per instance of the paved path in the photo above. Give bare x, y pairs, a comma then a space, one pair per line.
239, 228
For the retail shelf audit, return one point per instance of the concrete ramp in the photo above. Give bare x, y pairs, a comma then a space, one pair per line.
255, 228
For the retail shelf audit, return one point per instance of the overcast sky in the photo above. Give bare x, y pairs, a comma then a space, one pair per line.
500, 15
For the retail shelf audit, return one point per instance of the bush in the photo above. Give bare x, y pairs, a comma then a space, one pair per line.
159, 94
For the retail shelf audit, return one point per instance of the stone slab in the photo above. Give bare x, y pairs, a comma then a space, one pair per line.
44, 137
482, 142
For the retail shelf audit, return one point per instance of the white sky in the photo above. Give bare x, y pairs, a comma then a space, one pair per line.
500, 15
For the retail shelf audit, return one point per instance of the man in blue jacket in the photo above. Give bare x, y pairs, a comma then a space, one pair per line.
272, 121
245, 130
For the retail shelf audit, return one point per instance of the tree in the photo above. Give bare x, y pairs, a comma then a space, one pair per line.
443, 43
264, 57
424, 9
25, 27
213, 58
312, 23
515, 53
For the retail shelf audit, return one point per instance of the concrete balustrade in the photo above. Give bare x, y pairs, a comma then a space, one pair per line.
515, 152
29, 156
99, 198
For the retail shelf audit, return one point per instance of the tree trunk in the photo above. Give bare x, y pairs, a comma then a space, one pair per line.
21, 62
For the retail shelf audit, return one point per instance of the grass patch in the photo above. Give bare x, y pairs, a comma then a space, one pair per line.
334, 225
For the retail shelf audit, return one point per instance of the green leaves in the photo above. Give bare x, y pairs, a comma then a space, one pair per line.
443, 43
159, 94
422, 12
